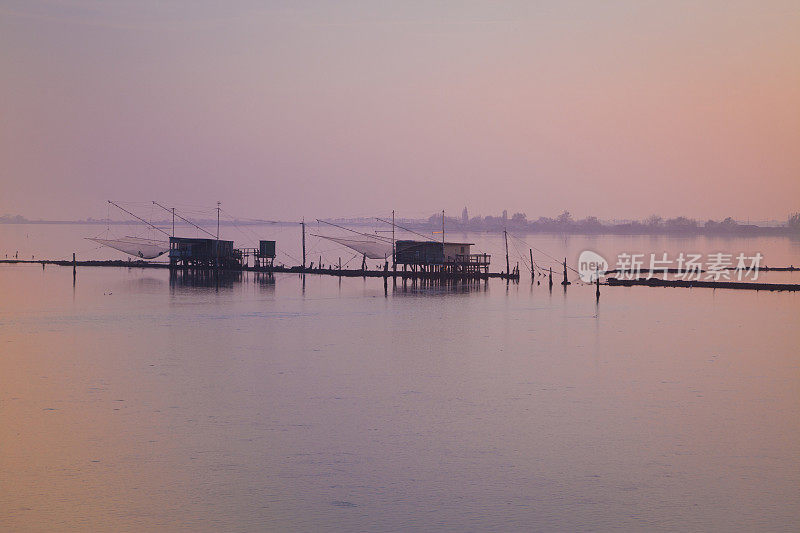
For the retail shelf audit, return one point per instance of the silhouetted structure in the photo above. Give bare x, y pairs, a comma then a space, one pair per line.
203, 254
447, 258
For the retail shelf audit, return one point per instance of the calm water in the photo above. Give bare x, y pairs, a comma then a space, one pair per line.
132, 402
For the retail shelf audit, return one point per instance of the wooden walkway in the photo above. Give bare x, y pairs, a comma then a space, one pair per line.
352, 273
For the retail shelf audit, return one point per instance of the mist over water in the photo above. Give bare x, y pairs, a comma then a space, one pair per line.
134, 402
54, 241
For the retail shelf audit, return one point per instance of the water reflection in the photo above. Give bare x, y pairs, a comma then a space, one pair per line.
438, 286
203, 279
264, 280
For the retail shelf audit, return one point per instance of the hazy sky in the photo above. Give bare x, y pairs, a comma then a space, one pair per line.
290, 109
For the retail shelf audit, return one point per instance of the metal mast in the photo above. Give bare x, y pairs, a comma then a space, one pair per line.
218, 203
139, 218
303, 223
180, 217
393, 250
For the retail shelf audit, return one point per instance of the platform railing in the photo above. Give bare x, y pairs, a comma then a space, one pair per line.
474, 259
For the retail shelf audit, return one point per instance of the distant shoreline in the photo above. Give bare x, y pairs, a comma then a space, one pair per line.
164, 223
452, 226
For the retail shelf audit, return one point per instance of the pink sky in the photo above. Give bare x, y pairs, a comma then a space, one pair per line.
613, 109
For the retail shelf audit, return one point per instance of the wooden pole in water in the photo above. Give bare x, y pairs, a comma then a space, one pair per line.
551, 277
505, 235
597, 282
74, 265
565, 282
531, 251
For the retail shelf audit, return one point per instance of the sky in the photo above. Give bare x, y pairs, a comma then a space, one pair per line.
283, 110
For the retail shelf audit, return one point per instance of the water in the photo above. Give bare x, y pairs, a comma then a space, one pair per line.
130, 402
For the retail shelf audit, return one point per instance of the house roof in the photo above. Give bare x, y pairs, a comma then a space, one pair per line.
436, 242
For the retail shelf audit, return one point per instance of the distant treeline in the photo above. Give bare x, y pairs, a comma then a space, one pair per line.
565, 223
518, 222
